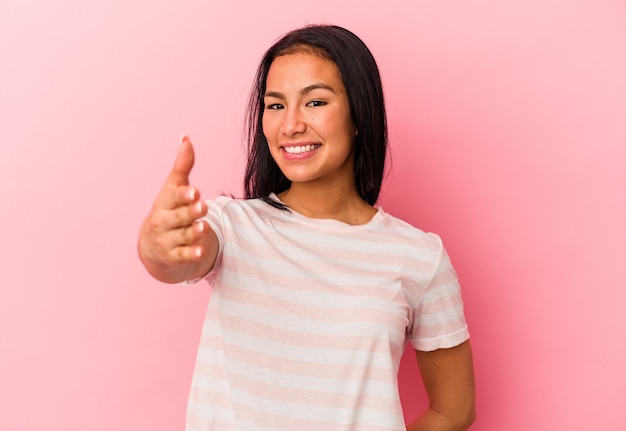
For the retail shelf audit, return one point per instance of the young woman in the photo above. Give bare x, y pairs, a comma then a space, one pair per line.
315, 291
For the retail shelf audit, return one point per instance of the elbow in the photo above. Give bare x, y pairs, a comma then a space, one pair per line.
469, 420
457, 420
465, 419
465, 413
461, 419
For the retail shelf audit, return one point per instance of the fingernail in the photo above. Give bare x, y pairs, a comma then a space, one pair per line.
199, 207
198, 252
191, 194
201, 227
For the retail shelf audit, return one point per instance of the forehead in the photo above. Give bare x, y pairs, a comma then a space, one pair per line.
301, 69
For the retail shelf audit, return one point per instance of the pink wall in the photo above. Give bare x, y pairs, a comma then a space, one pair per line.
508, 128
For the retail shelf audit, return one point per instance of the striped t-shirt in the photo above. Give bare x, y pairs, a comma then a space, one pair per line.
308, 319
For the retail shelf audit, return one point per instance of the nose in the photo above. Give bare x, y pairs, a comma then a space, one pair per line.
292, 123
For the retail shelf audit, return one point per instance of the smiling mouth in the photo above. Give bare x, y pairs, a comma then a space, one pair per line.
299, 149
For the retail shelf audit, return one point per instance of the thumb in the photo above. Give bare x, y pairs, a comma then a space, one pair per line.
183, 163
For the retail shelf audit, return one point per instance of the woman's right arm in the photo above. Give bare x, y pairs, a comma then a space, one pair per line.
174, 245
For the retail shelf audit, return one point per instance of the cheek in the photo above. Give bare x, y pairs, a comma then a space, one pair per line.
270, 137
269, 129
347, 130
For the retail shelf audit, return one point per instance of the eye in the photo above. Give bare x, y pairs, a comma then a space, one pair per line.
315, 103
274, 106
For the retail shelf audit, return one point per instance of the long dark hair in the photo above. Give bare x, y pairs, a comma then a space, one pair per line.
361, 79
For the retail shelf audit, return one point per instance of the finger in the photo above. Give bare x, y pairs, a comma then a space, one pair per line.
176, 191
194, 242
190, 234
185, 215
181, 237
161, 224
179, 176
188, 253
179, 245
171, 198
186, 195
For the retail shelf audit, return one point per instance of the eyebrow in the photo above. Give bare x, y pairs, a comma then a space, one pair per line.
304, 91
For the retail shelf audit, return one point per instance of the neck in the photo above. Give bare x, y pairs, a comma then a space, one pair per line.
339, 202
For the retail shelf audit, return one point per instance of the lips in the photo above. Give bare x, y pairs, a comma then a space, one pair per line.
300, 149
299, 152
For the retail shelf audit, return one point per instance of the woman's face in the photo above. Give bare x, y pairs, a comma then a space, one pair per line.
307, 120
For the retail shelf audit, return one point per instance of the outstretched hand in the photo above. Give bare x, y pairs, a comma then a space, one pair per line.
173, 244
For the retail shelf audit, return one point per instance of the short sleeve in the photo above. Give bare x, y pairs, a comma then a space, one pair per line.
438, 318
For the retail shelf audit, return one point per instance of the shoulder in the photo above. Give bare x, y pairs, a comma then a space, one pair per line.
408, 235
238, 210
228, 203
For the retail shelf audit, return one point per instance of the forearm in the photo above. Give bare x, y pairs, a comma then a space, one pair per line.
448, 377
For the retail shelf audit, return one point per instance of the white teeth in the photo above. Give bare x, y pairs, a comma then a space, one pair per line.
300, 149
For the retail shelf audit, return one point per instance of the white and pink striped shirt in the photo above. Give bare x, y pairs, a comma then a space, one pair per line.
308, 319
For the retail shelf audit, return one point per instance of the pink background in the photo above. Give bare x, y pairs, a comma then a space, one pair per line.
508, 133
